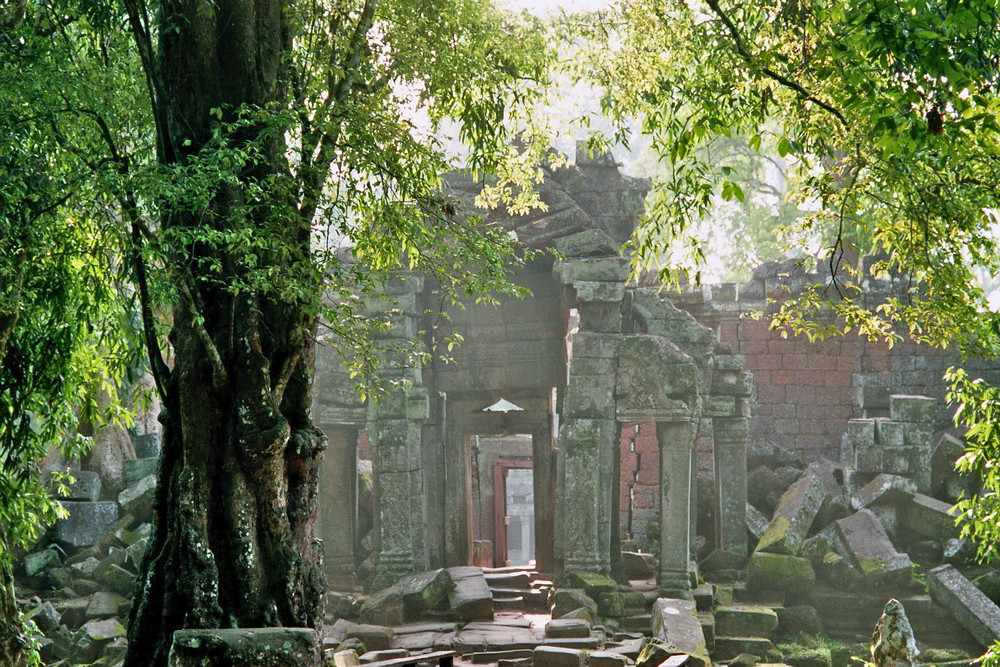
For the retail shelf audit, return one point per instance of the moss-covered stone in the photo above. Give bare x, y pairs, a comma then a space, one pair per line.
591, 583
745, 621
801, 656
565, 600
618, 604
776, 571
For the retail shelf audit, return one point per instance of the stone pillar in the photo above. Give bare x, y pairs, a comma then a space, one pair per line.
583, 506
676, 441
338, 504
395, 431
730, 449
543, 457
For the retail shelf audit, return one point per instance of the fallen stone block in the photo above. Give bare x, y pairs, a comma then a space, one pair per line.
721, 559
657, 653
861, 538
906, 408
471, 599
930, 517
566, 600
86, 486
86, 524
118, 579
970, 607
410, 599
137, 500
745, 621
590, 583
727, 648
798, 619
836, 504
104, 604
795, 514
675, 623
801, 656
564, 628
346, 658
373, 637
376, 656
779, 572
884, 489
245, 647
556, 656
135, 470
45, 616
606, 659
638, 565
617, 604
146, 445
756, 524
835, 569
40, 561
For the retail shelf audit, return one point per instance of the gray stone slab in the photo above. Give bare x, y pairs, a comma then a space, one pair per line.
930, 517
903, 408
756, 522
676, 623
471, 599
135, 469
245, 647
137, 499
795, 514
555, 656
86, 486
862, 539
87, 522
884, 489
970, 607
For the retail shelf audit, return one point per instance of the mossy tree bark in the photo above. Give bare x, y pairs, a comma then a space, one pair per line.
13, 649
233, 542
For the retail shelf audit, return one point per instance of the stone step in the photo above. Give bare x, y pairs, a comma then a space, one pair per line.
487, 571
704, 598
707, 622
761, 596
745, 621
487, 657
643, 624
508, 603
519, 579
585, 643
727, 648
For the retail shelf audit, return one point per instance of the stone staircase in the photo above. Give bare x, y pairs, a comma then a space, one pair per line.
517, 589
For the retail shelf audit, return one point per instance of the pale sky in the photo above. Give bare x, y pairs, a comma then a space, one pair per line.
545, 6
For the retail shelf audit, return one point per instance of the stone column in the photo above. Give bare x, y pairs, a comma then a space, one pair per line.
394, 429
676, 441
583, 508
730, 449
338, 503
543, 461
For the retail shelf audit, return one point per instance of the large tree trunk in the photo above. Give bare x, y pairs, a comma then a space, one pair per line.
233, 542
13, 648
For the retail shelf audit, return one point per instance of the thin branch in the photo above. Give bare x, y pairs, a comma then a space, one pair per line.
743, 51
219, 375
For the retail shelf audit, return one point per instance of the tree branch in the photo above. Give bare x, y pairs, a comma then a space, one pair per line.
219, 374
743, 51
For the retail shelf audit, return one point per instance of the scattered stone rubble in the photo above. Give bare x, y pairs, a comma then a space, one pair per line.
76, 585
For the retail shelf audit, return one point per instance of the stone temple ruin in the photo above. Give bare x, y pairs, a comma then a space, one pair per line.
604, 473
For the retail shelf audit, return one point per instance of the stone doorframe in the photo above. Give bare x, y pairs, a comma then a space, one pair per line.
637, 358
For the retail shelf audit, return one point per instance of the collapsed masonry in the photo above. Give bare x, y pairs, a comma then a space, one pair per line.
585, 355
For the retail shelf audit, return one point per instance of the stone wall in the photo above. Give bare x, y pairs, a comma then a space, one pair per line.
805, 392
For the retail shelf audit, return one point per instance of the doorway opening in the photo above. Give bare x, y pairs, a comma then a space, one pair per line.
514, 503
